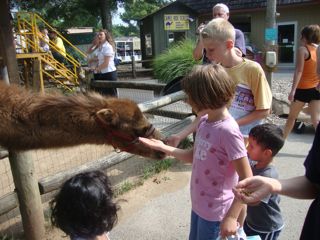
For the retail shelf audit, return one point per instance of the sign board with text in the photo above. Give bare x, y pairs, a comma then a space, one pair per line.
176, 22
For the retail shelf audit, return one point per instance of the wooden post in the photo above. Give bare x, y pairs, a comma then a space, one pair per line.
28, 194
21, 163
134, 75
7, 42
270, 41
26, 74
36, 80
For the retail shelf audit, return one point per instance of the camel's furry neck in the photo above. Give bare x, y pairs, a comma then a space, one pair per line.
40, 121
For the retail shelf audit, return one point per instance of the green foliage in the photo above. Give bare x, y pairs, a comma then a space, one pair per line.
125, 187
137, 9
186, 143
83, 13
65, 14
177, 61
120, 30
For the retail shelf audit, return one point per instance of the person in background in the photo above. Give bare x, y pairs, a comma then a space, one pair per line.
44, 40
92, 57
218, 158
219, 10
84, 208
264, 219
305, 79
106, 69
58, 51
254, 189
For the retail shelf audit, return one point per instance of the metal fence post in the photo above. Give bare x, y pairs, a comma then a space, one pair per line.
133, 61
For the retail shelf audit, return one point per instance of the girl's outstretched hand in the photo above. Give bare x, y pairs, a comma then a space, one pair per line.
173, 140
252, 190
153, 143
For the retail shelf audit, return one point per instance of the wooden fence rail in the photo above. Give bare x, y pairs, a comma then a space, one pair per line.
134, 69
155, 87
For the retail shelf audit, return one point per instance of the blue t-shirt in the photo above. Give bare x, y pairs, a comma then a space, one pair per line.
266, 216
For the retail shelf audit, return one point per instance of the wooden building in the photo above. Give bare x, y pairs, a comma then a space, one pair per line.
169, 24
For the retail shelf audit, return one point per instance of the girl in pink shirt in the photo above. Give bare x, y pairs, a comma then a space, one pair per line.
218, 158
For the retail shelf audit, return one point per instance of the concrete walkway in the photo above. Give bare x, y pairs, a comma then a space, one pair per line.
162, 213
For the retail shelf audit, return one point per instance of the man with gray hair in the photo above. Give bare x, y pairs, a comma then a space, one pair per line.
220, 10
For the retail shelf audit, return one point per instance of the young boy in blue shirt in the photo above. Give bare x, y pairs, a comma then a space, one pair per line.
264, 219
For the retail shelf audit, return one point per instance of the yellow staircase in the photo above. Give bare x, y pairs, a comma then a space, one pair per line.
48, 68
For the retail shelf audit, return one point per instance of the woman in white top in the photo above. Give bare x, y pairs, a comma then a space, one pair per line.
106, 69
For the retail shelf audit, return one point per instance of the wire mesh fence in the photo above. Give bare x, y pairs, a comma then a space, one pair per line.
53, 161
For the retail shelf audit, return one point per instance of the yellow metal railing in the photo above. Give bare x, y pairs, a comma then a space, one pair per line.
30, 37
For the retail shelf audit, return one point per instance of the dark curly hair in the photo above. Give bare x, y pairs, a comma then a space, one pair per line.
84, 206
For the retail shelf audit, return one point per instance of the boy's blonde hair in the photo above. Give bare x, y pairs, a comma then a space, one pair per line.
208, 87
219, 29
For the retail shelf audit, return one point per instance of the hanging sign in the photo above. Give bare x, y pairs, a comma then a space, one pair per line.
176, 22
270, 34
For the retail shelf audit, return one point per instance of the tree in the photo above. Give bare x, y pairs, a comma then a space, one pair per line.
93, 13
120, 30
137, 9
73, 13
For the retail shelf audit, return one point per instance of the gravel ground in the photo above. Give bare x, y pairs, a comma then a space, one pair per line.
281, 85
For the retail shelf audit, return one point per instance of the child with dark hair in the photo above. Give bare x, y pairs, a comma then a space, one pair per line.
219, 156
83, 208
264, 219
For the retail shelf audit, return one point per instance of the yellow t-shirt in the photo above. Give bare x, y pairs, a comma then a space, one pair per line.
59, 44
252, 93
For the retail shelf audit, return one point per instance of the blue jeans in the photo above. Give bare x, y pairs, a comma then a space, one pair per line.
201, 229
264, 236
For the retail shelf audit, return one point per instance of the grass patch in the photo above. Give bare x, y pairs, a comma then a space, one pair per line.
148, 171
125, 187
157, 167
186, 143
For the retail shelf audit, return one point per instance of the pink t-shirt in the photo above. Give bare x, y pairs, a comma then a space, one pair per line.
213, 175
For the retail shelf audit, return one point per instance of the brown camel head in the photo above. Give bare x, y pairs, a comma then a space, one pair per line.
124, 123
34, 121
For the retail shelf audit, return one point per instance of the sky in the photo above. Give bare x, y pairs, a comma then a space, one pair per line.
116, 17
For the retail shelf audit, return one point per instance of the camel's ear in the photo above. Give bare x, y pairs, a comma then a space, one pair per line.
108, 116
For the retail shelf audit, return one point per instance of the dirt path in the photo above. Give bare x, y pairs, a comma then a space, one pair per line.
169, 181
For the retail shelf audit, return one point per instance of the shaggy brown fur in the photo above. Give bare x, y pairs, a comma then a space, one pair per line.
31, 121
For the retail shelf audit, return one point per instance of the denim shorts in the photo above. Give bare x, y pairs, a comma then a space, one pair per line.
201, 229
